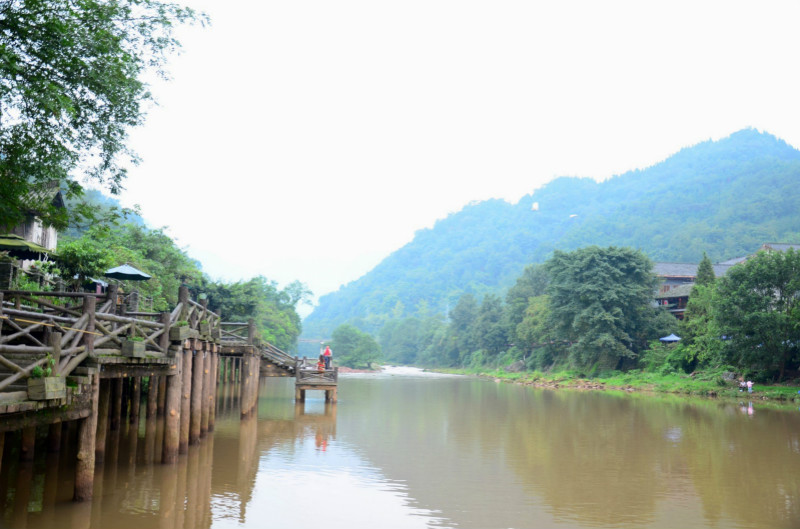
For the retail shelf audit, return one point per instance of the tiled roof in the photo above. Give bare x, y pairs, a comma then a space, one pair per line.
677, 291
686, 269
780, 246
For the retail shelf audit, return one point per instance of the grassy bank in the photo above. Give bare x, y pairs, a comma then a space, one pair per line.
705, 384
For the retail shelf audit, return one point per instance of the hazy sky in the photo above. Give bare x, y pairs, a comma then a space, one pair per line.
308, 139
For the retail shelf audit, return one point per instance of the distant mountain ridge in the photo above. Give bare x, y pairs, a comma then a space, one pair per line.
723, 197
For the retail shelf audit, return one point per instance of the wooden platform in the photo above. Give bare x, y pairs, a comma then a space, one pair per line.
313, 379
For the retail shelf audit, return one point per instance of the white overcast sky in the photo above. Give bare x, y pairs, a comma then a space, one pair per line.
308, 139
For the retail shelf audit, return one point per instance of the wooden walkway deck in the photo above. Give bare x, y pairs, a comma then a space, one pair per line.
80, 357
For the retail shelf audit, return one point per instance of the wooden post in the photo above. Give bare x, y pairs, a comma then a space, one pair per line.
84, 470
162, 395
152, 397
183, 299
251, 331
53, 438
102, 419
55, 343
136, 401
256, 380
172, 420
186, 399
212, 405
206, 392
111, 295
126, 395
1, 329
197, 398
28, 442
163, 340
244, 389
116, 410
89, 303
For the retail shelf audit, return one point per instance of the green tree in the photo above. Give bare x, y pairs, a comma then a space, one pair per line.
705, 272
488, 329
699, 330
462, 318
71, 87
83, 258
758, 310
354, 348
600, 299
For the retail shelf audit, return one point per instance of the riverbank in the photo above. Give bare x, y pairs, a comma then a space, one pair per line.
701, 384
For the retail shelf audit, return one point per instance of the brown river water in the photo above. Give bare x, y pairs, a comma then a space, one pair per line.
406, 449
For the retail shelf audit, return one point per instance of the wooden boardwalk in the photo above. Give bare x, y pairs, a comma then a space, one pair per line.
81, 357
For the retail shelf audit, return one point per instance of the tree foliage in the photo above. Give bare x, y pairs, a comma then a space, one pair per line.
354, 348
758, 311
600, 299
71, 88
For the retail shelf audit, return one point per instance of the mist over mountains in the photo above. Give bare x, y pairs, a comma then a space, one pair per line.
723, 197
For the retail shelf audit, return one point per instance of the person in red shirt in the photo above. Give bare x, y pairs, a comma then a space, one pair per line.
327, 354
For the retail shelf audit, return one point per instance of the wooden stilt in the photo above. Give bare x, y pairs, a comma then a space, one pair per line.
162, 395
197, 398
172, 415
84, 470
104, 405
28, 442
206, 392
126, 397
54, 438
136, 400
212, 405
186, 400
152, 398
116, 410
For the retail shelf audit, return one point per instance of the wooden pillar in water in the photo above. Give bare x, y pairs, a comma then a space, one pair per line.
244, 387
212, 405
172, 414
197, 398
84, 469
206, 389
136, 400
103, 405
28, 442
152, 398
126, 397
116, 411
53, 438
162, 395
186, 399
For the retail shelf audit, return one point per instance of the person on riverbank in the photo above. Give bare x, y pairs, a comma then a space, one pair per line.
327, 355
749, 386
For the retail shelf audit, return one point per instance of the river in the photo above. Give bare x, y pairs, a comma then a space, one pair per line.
407, 449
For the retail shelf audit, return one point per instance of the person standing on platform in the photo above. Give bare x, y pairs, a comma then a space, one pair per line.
327, 354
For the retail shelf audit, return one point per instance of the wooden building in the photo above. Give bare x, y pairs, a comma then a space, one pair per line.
33, 229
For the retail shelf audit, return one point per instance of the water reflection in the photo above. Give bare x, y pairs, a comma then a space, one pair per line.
419, 451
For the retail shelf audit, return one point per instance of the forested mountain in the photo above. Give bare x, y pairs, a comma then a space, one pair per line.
723, 197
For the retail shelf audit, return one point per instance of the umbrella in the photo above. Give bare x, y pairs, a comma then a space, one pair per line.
670, 339
18, 247
127, 272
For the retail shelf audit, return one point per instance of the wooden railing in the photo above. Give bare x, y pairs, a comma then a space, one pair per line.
63, 329
305, 375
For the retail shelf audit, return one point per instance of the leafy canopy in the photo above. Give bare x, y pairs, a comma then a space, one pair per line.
600, 299
71, 87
